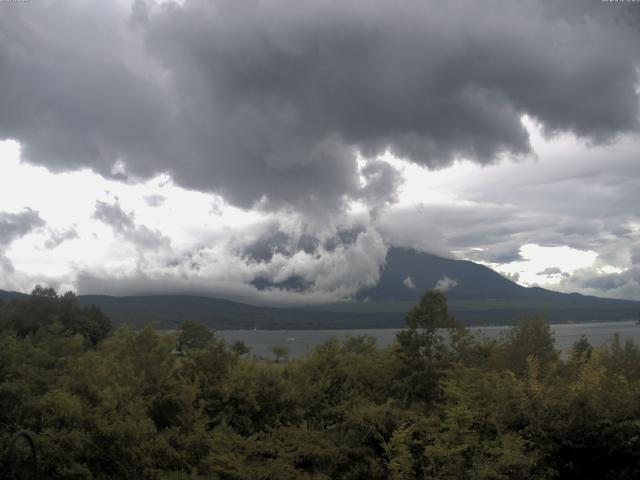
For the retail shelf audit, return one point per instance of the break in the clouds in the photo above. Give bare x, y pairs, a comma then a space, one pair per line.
270, 103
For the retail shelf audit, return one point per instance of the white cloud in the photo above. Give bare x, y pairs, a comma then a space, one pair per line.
445, 284
408, 282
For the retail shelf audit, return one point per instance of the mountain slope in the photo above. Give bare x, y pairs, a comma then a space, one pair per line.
477, 294
170, 311
480, 296
6, 296
425, 271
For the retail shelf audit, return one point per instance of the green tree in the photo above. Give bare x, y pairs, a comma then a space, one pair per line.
44, 308
424, 348
530, 337
280, 352
240, 348
581, 350
193, 335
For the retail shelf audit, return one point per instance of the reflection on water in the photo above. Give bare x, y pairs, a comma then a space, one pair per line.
300, 341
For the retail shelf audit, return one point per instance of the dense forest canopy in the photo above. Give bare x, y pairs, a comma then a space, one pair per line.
438, 404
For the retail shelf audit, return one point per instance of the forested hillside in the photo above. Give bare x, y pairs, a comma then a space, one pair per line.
438, 404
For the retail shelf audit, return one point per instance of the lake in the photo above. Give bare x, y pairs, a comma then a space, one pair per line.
300, 341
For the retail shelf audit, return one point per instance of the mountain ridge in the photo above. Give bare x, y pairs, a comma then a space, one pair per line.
480, 296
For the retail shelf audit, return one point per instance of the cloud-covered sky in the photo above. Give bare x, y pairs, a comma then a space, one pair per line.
205, 146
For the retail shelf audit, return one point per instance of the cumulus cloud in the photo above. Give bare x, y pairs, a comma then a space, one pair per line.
410, 228
6, 267
514, 277
224, 269
502, 252
16, 225
114, 216
408, 282
268, 104
445, 283
57, 237
478, 231
277, 241
381, 184
625, 284
553, 272
550, 271
12, 227
123, 224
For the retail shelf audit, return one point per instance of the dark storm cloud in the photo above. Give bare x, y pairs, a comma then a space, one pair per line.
479, 232
76, 91
606, 282
16, 225
124, 225
5, 265
279, 239
625, 284
114, 216
265, 102
501, 253
344, 235
12, 227
553, 272
550, 271
263, 248
381, 184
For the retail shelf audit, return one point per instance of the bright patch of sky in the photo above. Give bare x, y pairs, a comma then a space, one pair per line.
538, 259
68, 201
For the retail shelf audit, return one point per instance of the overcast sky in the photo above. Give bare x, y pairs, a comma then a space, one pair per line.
196, 146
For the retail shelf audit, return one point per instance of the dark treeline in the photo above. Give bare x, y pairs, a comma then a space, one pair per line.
438, 404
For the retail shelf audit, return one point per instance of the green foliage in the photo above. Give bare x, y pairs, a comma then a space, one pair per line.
439, 403
425, 348
240, 348
280, 352
45, 311
193, 335
582, 350
530, 337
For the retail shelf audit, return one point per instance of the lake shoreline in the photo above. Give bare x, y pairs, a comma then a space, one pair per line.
300, 341
470, 326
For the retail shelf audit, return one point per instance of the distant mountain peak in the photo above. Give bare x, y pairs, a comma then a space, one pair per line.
407, 274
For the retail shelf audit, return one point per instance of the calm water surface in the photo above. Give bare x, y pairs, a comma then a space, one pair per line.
300, 341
